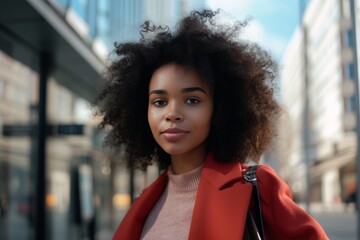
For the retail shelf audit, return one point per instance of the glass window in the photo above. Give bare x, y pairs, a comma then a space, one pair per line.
102, 21
92, 18
352, 104
80, 7
350, 71
349, 38
16, 152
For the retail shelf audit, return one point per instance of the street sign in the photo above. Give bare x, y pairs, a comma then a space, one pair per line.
68, 129
25, 130
18, 130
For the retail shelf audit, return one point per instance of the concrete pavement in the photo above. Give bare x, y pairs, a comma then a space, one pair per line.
338, 225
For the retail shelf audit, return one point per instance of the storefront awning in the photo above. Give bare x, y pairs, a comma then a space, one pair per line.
335, 162
33, 28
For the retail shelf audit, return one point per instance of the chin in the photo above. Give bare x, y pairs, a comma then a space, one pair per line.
173, 151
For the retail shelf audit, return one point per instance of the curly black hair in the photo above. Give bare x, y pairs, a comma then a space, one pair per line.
240, 73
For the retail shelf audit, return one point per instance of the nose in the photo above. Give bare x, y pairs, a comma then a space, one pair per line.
174, 114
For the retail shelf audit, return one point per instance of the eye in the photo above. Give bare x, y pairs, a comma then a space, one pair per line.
159, 102
192, 101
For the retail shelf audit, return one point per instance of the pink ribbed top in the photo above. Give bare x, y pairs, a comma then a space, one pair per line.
171, 216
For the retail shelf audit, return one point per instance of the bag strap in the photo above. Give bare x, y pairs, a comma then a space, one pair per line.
250, 176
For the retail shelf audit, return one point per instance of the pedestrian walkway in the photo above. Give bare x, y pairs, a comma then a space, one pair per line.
338, 225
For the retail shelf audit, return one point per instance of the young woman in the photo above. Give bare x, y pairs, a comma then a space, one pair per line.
198, 101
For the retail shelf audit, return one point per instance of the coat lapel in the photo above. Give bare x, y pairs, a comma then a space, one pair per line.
222, 202
132, 224
220, 208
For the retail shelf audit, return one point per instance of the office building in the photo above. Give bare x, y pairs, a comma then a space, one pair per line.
318, 129
56, 182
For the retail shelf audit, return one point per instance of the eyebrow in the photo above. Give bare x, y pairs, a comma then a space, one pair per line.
184, 90
193, 89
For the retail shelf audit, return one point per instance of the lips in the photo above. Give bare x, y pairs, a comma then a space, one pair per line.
174, 134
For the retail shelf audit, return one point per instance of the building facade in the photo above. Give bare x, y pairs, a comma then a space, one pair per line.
56, 182
318, 144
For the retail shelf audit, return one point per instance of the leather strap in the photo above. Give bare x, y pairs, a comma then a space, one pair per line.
250, 176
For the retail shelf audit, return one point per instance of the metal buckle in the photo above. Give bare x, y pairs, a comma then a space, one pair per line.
250, 175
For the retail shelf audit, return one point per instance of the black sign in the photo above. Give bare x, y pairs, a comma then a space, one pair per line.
52, 130
68, 129
18, 130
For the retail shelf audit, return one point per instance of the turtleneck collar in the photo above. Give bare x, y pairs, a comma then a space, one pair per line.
186, 182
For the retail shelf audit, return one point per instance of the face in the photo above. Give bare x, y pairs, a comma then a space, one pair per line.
180, 110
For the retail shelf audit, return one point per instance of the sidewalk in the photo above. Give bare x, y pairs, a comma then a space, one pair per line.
338, 225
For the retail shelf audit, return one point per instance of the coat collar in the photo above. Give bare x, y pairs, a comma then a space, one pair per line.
221, 174
220, 208
222, 202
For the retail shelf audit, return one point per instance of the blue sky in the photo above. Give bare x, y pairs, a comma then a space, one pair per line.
273, 21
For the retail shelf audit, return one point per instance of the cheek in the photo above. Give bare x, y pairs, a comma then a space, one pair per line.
207, 123
208, 114
153, 118
150, 119
204, 120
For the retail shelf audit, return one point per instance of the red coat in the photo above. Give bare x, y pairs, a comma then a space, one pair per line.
222, 203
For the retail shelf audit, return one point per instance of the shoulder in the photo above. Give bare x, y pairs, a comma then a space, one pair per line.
266, 170
271, 186
280, 212
266, 175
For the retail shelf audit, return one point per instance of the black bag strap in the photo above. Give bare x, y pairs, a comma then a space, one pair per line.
250, 176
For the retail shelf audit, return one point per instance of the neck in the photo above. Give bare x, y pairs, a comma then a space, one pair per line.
189, 161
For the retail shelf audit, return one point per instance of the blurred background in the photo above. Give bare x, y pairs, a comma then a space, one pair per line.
56, 181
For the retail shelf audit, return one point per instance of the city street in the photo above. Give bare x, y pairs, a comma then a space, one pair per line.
338, 225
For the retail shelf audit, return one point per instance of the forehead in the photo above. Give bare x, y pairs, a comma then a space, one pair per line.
176, 75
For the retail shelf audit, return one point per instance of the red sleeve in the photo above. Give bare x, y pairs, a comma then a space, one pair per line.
283, 218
